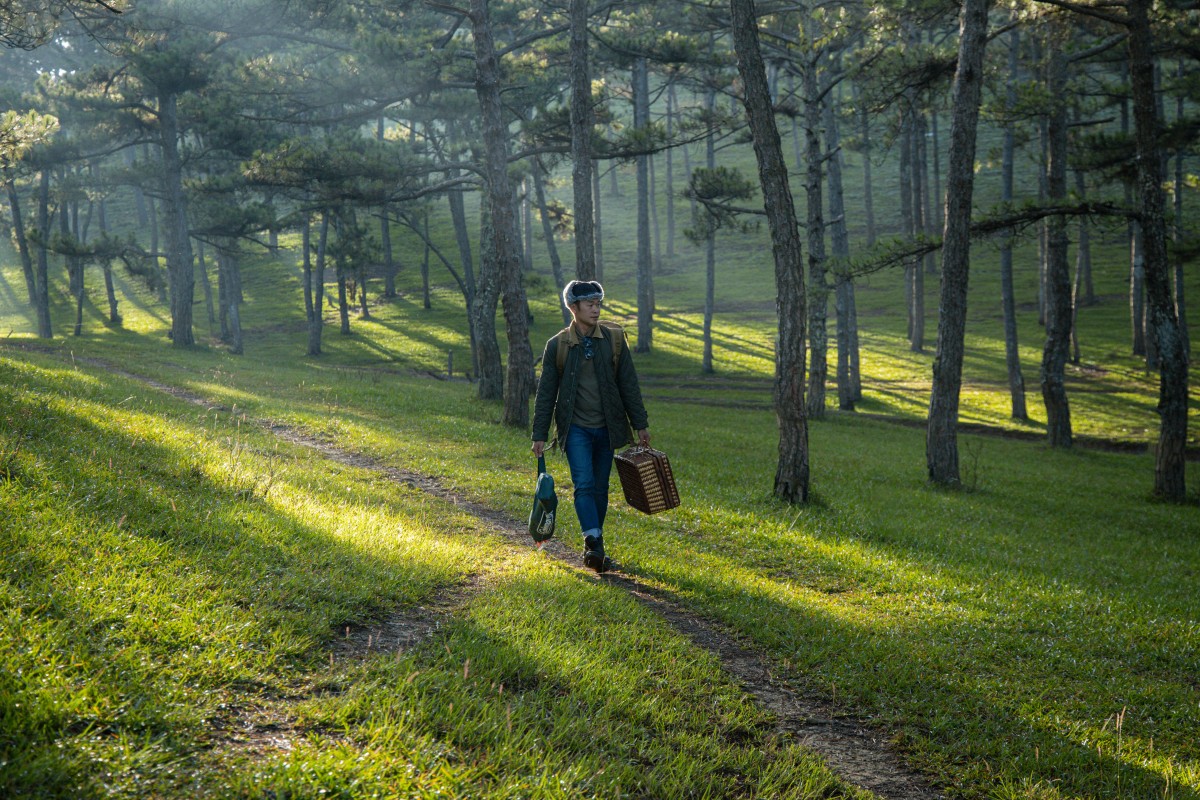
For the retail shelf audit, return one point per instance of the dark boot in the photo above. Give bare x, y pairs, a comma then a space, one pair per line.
593, 553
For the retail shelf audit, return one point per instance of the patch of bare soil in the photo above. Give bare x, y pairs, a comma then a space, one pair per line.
858, 753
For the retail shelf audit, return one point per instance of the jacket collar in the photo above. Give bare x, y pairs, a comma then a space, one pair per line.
573, 337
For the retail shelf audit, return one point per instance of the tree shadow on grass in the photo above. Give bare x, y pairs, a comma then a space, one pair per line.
966, 688
532, 688
147, 592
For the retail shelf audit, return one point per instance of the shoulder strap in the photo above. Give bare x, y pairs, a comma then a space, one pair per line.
560, 357
618, 340
617, 336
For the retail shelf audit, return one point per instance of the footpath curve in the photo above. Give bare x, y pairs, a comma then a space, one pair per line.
859, 754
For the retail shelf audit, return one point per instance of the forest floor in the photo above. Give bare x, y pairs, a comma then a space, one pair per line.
856, 752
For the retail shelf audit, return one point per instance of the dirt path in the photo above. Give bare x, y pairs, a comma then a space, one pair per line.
857, 753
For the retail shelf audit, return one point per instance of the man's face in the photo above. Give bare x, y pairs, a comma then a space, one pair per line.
587, 312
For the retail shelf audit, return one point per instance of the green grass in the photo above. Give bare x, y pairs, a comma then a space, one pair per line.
171, 571
167, 567
997, 634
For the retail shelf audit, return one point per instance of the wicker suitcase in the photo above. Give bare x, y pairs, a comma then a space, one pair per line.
647, 480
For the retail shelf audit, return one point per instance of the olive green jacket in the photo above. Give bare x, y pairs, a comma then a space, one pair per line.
620, 394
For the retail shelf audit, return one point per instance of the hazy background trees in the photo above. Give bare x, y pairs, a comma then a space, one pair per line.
173, 139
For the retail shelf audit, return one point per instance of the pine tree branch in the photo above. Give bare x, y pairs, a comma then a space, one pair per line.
1007, 219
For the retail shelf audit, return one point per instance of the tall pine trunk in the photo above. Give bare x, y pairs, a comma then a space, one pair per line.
306, 266
710, 243
840, 244
110, 291
792, 473
645, 273
206, 284
483, 313
527, 226
1137, 292
519, 379
1169, 458
14, 204
672, 106
920, 228
180, 270
426, 289
906, 211
1058, 274
462, 237
598, 228
587, 220
139, 197
42, 271
864, 133
556, 268
818, 299
1008, 301
74, 263
316, 319
941, 442
389, 257
231, 278
1180, 259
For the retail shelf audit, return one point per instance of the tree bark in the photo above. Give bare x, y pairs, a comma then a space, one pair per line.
1058, 274
483, 313
855, 349
598, 231
14, 203
1137, 292
343, 301
139, 198
935, 214
1083, 255
519, 382
1180, 294
206, 284
839, 240
906, 211
645, 273
556, 268
1008, 300
462, 236
672, 107
864, 127
941, 443
180, 270
42, 272
792, 473
316, 320
710, 243
231, 278
586, 219
920, 228
818, 300
110, 291
74, 264
389, 257
655, 228
1169, 463
306, 266
526, 206
426, 293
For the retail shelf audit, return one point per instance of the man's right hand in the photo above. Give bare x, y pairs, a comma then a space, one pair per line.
539, 448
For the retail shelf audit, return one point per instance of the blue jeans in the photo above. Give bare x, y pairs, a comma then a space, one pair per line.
590, 457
